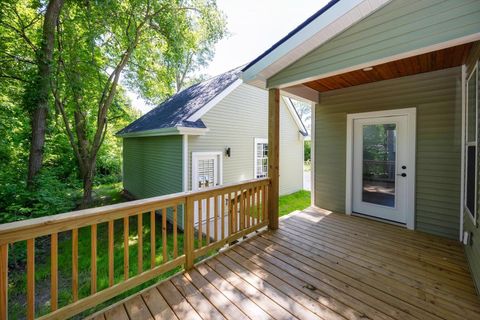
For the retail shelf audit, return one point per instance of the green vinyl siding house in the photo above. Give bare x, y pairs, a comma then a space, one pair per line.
394, 85
210, 134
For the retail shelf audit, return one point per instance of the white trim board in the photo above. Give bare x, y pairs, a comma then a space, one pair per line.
462, 165
185, 162
203, 110
411, 162
196, 155
312, 156
466, 143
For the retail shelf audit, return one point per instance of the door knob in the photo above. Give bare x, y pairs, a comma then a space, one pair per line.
402, 174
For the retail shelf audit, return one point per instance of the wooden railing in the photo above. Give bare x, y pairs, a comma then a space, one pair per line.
213, 218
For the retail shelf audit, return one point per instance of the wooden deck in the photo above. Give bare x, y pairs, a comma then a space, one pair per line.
319, 266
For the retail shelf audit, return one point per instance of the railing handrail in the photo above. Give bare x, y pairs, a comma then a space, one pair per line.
238, 209
37, 227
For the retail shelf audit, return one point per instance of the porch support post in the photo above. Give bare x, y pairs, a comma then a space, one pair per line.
273, 156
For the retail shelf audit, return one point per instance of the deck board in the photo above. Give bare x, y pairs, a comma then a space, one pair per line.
319, 266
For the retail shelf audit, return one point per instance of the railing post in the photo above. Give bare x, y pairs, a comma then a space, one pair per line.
3, 282
189, 230
273, 156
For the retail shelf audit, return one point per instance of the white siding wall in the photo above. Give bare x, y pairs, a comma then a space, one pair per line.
291, 153
235, 122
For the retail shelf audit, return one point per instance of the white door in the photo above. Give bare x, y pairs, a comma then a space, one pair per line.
205, 170
382, 168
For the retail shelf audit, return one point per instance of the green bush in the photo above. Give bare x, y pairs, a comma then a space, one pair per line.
54, 194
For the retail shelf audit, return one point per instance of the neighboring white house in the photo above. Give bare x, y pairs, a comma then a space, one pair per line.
212, 133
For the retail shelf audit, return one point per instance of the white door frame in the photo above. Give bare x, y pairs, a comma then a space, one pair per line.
196, 155
411, 147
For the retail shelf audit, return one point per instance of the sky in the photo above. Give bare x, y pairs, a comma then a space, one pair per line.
254, 26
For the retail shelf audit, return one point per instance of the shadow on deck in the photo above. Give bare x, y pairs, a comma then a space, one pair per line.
318, 266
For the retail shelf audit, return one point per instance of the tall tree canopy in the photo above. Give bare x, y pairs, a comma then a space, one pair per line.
100, 49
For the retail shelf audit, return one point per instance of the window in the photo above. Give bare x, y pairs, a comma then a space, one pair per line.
471, 160
261, 158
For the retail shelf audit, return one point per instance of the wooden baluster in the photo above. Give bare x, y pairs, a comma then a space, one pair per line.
140, 242
189, 241
54, 272
223, 216
111, 255
215, 218
164, 235
152, 239
75, 264
31, 279
126, 263
200, 223
232, 205
94, 258
234, 213
175, 245
257, 196
265, 202
208, 220
3, 281
247, 206
243, 198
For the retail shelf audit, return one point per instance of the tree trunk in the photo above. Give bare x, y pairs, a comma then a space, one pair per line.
87, 189
40, 109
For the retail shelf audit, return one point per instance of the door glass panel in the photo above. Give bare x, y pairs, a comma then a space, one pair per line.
206, 173
379, 167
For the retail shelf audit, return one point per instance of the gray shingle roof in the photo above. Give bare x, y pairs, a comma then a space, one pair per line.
175, 111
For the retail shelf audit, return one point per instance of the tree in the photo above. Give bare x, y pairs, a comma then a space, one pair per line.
199, 52
100, 43
42, 89
21, 20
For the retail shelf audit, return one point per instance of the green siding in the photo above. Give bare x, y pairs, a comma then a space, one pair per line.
152, 166
235, 122
399, 27
473, 250
437, 97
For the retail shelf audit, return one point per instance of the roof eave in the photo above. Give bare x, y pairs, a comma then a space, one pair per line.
164, 132
338, 16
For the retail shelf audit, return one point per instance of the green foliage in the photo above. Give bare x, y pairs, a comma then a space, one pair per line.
174, 37
307, 150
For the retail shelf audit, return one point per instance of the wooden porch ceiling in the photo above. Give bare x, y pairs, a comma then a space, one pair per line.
319, 266
431, 61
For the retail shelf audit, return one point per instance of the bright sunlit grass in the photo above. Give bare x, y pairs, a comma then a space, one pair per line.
295, 201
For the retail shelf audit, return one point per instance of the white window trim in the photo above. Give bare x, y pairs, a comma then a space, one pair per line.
196, 155
412, 128
256, 141
473, 216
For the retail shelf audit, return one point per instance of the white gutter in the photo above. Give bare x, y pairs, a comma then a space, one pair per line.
165, 132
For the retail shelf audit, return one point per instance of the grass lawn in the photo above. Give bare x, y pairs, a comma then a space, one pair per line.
295, 201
